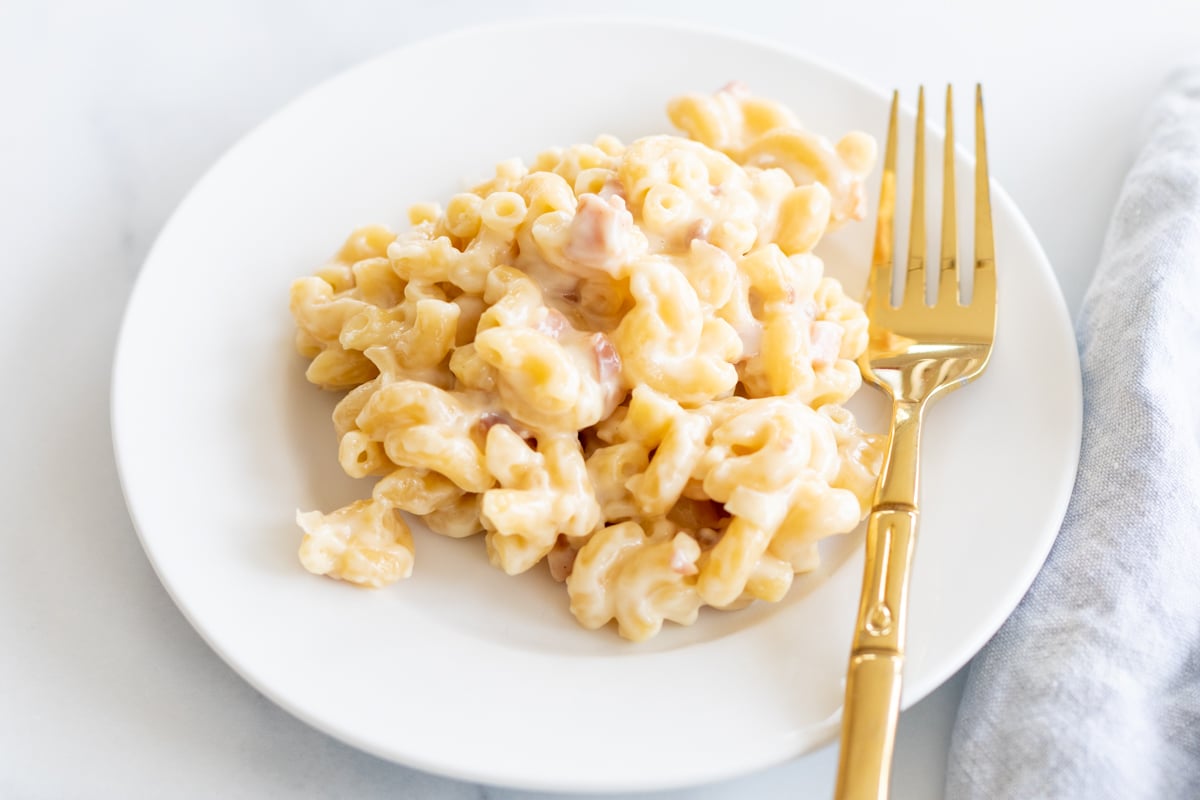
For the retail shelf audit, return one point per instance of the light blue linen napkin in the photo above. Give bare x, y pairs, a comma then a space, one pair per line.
1092, 688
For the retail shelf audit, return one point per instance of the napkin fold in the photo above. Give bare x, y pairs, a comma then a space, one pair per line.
1092, 688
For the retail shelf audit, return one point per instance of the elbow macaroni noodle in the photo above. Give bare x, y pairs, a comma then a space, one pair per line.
624, 361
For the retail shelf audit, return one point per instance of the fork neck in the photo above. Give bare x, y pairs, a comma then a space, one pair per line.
898, 478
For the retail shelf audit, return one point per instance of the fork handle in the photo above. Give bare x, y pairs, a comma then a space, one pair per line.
869, 725
875, 675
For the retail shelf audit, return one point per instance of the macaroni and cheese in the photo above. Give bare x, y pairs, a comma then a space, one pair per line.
623, 360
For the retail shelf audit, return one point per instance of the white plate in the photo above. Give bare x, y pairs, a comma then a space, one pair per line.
462, 670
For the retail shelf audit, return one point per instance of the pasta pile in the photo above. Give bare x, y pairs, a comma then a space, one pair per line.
624, 361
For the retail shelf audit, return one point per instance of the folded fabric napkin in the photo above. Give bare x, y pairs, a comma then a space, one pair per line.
1092, 688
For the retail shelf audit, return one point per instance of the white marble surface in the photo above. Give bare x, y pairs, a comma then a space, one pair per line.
112, 110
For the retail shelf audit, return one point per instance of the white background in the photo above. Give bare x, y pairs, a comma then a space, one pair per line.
112, 110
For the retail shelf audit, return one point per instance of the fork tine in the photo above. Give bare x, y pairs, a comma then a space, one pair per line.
879, 284
914, 282
948, 277
985, 255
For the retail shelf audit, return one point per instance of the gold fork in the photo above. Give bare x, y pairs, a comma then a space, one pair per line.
917, 352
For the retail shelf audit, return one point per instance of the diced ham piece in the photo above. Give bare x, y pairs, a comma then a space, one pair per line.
491, 419
599, 234
553, 324
608, 371
612, 188
735, 88
561, 559
683, 565
826, 340
608, 361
